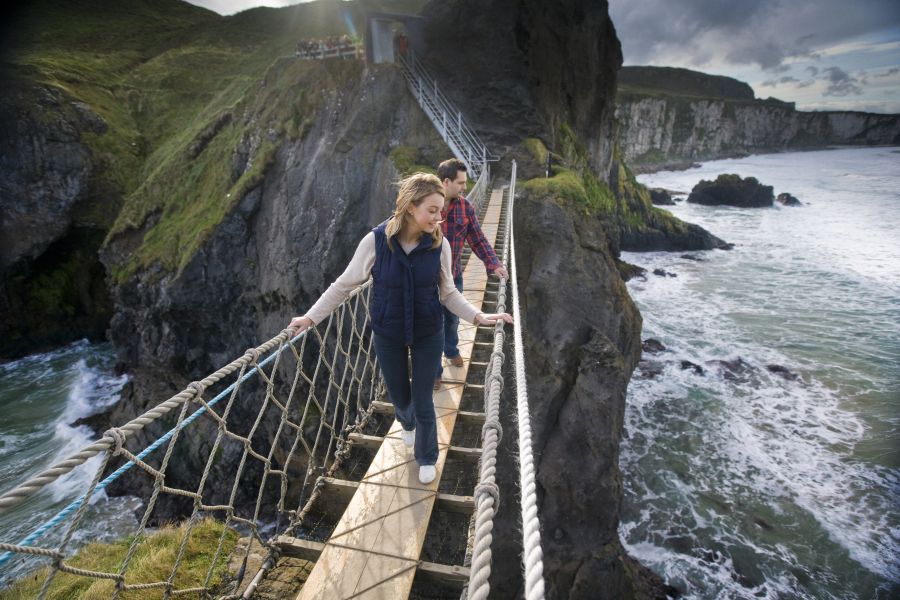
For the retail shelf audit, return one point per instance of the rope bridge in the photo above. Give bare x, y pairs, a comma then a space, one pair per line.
297, 419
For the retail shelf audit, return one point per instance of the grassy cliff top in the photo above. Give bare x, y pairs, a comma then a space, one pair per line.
175, 85
682, 82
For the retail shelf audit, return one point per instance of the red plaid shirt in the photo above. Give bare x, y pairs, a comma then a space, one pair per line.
461, 225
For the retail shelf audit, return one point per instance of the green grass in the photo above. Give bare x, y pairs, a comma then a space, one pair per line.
625, 208
537, 149
408, 160
190, 196
160, 73
152, 562
584, 190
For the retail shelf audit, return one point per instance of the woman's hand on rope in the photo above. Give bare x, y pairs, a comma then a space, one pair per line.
300, 324
493, 318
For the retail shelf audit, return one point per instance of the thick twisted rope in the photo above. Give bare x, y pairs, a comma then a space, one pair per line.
487, 494
348, 367
531, 528
27, 489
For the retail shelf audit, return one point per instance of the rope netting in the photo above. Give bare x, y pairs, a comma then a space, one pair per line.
255, 444
281, 412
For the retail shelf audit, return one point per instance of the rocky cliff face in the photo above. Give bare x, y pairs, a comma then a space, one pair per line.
274, 253
551, 65
660, 131
292, 232
551, 76
582, 342
54, 213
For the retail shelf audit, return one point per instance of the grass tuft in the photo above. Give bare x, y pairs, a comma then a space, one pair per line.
151, 563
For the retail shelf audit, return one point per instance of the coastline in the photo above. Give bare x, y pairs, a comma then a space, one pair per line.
772, 481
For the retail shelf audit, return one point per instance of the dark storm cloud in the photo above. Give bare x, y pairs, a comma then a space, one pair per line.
762, 32
780, 81
840, 83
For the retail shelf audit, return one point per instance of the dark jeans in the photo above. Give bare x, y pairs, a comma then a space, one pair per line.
451, 331
413, 401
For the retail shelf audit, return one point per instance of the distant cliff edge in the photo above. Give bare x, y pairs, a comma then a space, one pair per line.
670, 118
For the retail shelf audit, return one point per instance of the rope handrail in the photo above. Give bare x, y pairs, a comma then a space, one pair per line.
532, 556
487, 494
316, 435
24, 490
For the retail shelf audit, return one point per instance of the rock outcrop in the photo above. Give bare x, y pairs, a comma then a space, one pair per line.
583, 341
786, 199
273, 254
535, 83
732, 190
54, 213
661, 197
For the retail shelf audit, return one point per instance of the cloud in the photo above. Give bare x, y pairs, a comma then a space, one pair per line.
781, 81
812, 70
229, 7
763, 32
859, 46
840, 83
889, 72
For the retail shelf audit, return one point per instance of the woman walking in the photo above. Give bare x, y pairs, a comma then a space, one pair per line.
410, 265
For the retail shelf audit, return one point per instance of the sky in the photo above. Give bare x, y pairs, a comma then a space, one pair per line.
820, 54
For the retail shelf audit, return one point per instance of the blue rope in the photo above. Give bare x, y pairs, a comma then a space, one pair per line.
59, 518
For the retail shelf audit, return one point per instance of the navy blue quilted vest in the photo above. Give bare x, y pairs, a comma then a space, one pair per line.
405, 304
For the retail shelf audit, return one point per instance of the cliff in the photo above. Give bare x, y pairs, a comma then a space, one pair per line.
273, 251
101, 98
257, 175
671, 120
581, 329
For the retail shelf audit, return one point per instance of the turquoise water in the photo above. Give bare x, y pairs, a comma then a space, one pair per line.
749, 484
41, 396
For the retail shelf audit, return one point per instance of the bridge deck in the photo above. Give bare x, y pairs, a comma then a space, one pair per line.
374, 550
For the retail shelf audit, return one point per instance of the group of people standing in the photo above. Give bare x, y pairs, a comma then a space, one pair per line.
414, 259
332, 45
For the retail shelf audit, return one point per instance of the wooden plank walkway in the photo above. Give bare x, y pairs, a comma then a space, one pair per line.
374, 551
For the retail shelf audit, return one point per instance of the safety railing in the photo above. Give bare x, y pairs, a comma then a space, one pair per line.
253, 444
448, 120
532, 556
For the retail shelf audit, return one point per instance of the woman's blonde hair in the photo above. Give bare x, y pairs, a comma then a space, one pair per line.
413, 191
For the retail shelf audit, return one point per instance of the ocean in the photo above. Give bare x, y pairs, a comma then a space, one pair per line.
41, 397
771, 468
740, 482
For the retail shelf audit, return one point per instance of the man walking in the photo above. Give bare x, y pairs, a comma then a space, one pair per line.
460, 225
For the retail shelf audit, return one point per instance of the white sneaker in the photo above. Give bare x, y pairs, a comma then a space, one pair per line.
409, 437
427, 473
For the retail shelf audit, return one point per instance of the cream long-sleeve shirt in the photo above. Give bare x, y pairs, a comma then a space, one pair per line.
360, 268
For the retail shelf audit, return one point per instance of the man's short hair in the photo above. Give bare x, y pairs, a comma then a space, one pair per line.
449, 168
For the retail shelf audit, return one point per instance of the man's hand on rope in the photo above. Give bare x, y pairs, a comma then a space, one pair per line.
493, 318
300, 324
501, 272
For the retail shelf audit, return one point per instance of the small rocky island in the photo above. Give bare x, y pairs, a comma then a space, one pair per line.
732, 190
